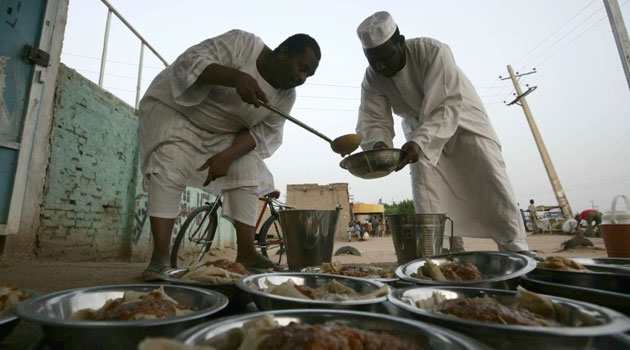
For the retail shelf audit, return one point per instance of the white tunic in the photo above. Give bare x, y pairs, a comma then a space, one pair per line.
461, 170
183, 123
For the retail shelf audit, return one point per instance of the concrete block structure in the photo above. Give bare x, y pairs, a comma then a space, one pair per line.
323, 197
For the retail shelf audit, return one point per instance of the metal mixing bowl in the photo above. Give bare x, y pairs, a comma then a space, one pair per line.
502, 270
374, 163
224, 334
593, 320
52, 310
266, 301
8, 322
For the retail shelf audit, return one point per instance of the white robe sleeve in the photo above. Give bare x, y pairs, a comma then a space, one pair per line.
375, 122
268, 133
227, 49
442, 104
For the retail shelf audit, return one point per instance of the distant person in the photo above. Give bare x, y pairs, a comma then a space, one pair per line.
593, 219
200, 126
452, 150
534, 218
359, 230
350, 230
368, 226
570, 225
522, 215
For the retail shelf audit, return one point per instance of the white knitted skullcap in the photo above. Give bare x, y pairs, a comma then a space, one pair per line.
376, 29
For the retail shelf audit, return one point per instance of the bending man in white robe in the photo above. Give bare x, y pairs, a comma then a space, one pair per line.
452, 149
200, 125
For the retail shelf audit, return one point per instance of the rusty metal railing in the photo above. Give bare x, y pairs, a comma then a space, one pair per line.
143, 43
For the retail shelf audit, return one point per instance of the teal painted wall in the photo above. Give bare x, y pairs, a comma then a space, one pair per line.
92, 168
94, 206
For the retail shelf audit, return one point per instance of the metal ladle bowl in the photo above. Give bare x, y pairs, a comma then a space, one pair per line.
374, 163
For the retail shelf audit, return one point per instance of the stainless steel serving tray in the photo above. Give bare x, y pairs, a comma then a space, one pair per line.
318, 269
502, 269
600, 289
51, 312
224, 334
266, 301
620, 263
594, 321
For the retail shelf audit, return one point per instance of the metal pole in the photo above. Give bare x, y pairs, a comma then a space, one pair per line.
621, 35
563, 203
139, 85
122, 19
104, 56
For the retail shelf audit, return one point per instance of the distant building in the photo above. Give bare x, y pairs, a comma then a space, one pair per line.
323, 197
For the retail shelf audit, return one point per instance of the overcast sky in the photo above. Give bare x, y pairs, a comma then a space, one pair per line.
581, 105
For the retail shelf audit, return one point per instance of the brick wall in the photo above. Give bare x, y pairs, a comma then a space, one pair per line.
91, 178
94, 206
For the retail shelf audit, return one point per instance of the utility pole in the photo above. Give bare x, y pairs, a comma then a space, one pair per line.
563, 203
621, 35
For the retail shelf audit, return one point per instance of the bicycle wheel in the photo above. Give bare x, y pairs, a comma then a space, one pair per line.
270, 239
195, 236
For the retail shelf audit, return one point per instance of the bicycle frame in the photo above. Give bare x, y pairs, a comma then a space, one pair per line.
202, 238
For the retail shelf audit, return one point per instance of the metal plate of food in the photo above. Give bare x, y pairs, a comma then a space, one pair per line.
566, 265
503, 318
600, 289
294, 290
484, 269
385, 274
622, 263
53, 312
212, 278
8, 320
228, 334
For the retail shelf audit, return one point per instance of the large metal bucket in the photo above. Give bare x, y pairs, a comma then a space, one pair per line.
309, 236
417, 235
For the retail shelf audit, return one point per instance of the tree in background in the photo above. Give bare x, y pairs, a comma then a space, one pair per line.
404, 207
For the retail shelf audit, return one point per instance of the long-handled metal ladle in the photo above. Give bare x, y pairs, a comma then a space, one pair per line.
343, 145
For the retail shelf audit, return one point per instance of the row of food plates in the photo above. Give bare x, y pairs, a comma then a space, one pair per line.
472, 300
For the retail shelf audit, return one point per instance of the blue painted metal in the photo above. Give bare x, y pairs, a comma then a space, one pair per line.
20, 25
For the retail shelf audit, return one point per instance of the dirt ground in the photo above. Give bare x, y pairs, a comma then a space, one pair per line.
50, 276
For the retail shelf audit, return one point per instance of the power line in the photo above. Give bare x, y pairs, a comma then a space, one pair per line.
570, 31
112, 75
334, 85
328, 109
109, 60
578, 36
552, 34
330, 97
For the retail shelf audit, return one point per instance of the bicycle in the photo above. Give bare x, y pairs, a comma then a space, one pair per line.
199, 230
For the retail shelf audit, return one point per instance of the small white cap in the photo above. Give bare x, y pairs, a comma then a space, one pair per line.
376, 29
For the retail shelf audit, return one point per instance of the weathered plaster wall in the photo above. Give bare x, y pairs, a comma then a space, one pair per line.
94, 206
323, 197
90, 184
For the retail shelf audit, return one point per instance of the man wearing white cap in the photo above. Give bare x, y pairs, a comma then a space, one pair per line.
452, 149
